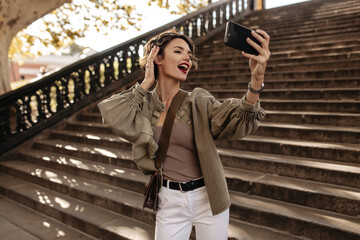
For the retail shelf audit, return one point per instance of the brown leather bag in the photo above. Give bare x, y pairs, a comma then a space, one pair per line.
153, 187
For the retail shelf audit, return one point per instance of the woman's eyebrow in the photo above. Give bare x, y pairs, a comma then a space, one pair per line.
182, 49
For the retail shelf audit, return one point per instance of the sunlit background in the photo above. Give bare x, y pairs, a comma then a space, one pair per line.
152, 18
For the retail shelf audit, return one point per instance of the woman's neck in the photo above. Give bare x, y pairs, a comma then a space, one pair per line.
167, 89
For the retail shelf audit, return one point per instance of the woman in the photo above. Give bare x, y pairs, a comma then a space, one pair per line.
194, 190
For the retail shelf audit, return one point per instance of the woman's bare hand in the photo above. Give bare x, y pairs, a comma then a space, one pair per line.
150, 69
258, 63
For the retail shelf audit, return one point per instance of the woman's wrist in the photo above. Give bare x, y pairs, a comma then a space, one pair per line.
145, 85
256, 90
257, 82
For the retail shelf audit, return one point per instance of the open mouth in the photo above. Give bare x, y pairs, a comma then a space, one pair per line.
184, 67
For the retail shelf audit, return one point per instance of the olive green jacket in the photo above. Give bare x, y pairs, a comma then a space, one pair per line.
134, 113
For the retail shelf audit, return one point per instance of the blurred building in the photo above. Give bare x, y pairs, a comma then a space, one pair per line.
32, 68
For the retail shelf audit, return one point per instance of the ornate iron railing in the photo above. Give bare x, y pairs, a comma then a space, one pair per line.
34, 107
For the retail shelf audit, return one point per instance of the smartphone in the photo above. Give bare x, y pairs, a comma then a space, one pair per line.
236, 35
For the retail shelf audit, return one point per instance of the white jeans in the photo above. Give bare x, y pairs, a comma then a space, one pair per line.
179, 211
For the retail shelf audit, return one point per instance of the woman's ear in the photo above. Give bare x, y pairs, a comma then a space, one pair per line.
158, 59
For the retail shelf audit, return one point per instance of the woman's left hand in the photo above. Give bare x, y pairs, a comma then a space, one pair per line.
258, 63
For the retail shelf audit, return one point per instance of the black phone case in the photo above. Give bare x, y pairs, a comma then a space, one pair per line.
235, 37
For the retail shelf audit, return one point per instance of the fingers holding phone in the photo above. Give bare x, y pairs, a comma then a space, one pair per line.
257, 63
262, 46
254, 45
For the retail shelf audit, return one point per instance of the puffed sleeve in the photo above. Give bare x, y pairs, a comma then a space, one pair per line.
234, 118
122, 112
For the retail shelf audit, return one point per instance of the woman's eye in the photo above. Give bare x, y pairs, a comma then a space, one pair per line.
177, 52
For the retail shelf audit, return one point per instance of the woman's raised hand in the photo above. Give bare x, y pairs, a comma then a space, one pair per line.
149, 69
258, 63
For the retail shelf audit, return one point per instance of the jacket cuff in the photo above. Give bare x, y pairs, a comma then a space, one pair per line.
139, 92
249, 106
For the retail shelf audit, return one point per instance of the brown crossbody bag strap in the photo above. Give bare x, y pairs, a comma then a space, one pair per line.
153, 187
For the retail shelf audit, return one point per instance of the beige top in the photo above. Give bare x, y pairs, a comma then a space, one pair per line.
134, 113
181, 163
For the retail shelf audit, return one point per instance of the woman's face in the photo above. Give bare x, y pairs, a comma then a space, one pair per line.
175, 62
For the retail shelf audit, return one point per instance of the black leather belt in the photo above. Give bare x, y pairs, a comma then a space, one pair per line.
184, 186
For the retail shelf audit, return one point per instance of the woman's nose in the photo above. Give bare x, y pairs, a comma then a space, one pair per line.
187, 58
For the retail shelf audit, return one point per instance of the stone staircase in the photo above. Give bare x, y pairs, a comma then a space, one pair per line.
296, 177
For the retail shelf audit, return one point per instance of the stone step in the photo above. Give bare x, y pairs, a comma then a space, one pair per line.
320, 118
108, 196
289, 94
285, 45
237, 229
270, 101
315, 12
280, 58
295, 117
302, 23
269, 77
86, 137
90, 117
234, 74
314, 35
296, 132
27, 224
319, 32
111, 156
247, 231
130, 179
293, 51
332, 198
336, 106
90, 127
308, 33
322, 7
343, 7
317, 170
312, 194
295, 219
338, 152
310, 132
95, 221
305, 24
348, 82
343, 24
278, 65
310, 52
132, 165
327, 169
218, 44
248, 182
343, 152
242, 66
128, 162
